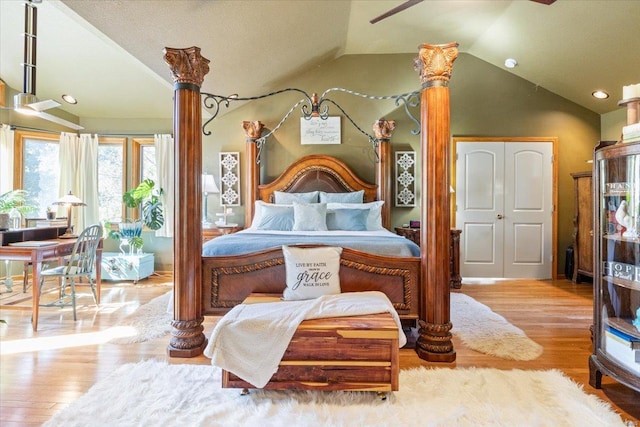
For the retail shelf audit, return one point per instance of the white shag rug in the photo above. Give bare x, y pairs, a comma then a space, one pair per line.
482, 330
151, 320
485, 331
478, 327
154, 393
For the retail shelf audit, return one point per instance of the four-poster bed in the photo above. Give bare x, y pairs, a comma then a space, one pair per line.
228, 280
417, 286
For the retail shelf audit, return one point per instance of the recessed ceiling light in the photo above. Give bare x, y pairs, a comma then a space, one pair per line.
600, 94
70, 99
510, 63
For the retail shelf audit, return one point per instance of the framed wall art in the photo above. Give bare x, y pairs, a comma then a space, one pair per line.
316, 130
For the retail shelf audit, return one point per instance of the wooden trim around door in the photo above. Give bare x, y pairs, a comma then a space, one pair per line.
546, 139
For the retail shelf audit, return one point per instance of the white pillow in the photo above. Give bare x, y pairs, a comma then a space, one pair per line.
311, 272
310, 217
374, 219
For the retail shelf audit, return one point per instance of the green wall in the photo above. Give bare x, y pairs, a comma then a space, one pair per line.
486, 101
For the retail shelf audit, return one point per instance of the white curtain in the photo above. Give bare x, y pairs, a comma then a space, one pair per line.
164, 163
88, 181
79, 175
6, 159
68, 156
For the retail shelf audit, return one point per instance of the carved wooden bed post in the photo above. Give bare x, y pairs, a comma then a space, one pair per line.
188, 69
434, 63
383, 130
252, 131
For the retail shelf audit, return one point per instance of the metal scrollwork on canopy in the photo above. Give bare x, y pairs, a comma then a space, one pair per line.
311, 106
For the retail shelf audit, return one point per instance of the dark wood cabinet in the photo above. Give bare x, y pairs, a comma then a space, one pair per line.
583, 227
455, 280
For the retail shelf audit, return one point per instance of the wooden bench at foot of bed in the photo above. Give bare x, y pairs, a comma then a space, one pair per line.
338, 353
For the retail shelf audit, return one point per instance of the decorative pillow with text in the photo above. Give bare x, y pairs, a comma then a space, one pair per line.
311, 272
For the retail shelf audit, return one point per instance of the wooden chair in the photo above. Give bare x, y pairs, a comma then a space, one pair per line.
81, 263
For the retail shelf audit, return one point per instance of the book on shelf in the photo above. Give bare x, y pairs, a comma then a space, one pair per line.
51, 223
623, 348
621, 270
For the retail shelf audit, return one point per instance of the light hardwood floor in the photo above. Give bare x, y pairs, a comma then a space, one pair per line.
43, 372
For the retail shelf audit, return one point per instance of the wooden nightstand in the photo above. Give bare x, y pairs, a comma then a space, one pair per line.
455, 280
212, 233
412, 234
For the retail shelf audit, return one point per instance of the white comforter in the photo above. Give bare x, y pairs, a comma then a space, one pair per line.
250, 340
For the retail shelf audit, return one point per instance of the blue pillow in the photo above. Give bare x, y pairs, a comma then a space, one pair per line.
279, 218
351, 197
347, 219
374, 220
310, 217
283, 198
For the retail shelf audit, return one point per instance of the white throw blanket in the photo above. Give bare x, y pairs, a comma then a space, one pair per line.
250, 340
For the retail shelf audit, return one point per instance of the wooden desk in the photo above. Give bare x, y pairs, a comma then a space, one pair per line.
30, 233
36, 255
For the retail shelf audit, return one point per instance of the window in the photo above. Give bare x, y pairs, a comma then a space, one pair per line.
111, 178
37, 153
38, 171
143, 161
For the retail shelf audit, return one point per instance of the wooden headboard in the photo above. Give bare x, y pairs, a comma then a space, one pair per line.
317, 173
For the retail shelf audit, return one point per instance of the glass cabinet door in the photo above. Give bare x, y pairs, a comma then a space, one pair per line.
617, 293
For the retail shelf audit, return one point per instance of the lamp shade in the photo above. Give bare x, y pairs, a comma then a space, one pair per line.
209, 185
69, 199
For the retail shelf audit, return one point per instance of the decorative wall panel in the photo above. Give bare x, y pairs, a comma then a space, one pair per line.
230, 178
405, 178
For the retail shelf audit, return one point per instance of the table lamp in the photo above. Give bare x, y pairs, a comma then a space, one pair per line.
208, 187
69, 201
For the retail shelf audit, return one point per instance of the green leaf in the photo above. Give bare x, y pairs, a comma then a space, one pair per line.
16, 199
136, 242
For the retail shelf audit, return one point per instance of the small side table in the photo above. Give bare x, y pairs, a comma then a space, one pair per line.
212, 233
455, 280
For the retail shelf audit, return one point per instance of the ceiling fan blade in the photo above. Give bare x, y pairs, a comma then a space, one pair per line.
547, 2
44, 105
58, 120
399, 8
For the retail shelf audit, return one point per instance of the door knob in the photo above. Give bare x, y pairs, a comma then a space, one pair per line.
499, 216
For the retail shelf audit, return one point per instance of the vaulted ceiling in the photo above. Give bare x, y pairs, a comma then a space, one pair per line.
108, 54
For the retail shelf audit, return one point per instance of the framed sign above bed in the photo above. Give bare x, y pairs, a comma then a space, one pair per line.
316, 130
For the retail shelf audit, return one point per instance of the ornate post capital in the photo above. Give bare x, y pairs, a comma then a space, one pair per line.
187, 65
252, 129
435, 62
384, 128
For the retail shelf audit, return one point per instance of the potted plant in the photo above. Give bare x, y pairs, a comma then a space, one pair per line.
51, 212
11, 202
146, 197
